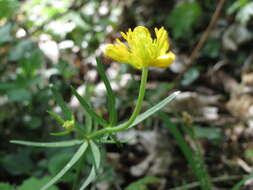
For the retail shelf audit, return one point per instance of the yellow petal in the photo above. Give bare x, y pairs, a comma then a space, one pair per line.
164, 60
141, 50
117, 52
162, 42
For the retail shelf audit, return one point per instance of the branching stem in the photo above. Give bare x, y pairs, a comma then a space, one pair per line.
135, 113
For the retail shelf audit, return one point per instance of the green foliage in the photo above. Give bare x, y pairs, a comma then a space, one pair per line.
8, 7
56, 117
34, 183
57, 162
190, 76
18, 163
68, 166
212, 48
19, 95
154, 109
88, 109
141, 184
89, 179
66, 70
31, 63
21, 50
195, 159
87, 143
110, 95
5, 33
237, 5
6, 186
238, 185
249, 153
30, 60
64, 107
43, 7
96, 154
26, 74
182, 19
244, 9
245, 13
30, 183
94, 148
48, 144
34, 122
210, 133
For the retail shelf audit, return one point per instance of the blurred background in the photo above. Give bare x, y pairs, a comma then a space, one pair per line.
44, 42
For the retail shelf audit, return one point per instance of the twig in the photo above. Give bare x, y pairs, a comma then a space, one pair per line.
202, 40
244, 165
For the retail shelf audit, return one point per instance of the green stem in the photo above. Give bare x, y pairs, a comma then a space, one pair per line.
135, 113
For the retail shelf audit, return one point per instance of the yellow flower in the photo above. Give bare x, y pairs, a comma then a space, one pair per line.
142, 50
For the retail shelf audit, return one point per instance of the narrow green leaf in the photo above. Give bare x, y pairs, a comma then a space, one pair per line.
194, 160
201, 171
238, 185
62, 133
180, 139
152, 110
141, 184
56, 117
88, 122
113, 141
110, 95
74, 159
80, 128
96, 154
48, 144
88, 109
88, 118
139, 118
89, 179
66, 111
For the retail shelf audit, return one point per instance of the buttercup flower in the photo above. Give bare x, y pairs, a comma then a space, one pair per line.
141, 50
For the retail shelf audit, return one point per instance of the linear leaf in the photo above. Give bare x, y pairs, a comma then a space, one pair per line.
152, 110
73, 160
56, 117
48, 144
193, 159
88, 109
114, 141
238, 185
200, 171
88, 118
66, 111
110, 95
89, 179
96, 154
180, 140
142, 183
62, 133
